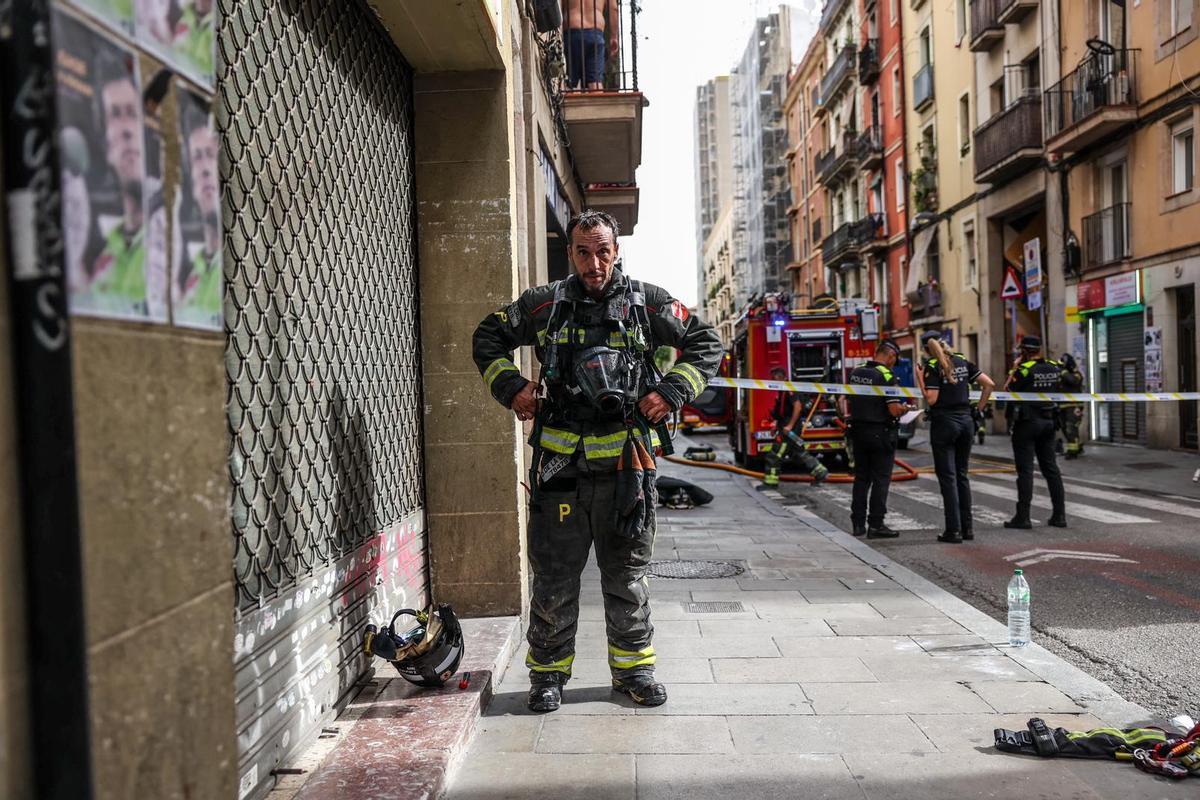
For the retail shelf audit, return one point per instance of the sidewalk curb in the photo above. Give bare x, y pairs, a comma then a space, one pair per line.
1096, 697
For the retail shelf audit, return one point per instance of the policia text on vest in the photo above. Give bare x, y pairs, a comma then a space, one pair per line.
1033, 433
592, 478
873, 428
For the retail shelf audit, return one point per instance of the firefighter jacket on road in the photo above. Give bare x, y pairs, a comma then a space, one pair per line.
593, 478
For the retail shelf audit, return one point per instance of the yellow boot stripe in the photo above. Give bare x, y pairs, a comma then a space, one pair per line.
562, 665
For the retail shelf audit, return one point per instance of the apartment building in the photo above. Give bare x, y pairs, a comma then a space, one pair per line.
713, 166
1017, 196
805, 141
761, 194
720, 308
937, 67
839, 166
1120, 129
880, 57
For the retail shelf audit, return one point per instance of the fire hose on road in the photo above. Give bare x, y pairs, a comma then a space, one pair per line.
907, 471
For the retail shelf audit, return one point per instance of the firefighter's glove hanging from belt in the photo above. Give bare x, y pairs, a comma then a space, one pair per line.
636, 492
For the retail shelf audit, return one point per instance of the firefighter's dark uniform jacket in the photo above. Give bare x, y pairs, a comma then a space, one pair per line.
578, 504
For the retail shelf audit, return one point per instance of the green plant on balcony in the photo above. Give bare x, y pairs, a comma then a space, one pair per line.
924, 181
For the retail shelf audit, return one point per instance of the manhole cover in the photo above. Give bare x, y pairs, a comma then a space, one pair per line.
695, 569
713, 607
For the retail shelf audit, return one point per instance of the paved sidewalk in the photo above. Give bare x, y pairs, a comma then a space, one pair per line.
843, 676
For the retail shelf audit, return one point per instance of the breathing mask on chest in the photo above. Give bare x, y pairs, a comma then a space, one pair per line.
608, 380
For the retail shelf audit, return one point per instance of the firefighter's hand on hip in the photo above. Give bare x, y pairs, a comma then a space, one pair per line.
654, 408
525, 402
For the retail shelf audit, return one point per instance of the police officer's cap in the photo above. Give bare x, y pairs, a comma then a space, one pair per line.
927, 335
1031, 343
888, 344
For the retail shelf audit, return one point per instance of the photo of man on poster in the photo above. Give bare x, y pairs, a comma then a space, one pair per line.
105, 180
181, 32
196, 283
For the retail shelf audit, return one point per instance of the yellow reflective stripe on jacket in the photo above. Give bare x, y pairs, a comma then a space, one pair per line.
627, 659
690, 374
562, 665
557, 440
496, 368
604, 446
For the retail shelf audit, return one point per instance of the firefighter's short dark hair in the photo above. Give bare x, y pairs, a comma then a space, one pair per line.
589, 219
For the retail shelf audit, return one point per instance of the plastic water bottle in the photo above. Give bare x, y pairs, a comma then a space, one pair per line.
1018, 610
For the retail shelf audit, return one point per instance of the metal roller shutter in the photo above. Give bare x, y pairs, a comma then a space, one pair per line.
1126, 373
314, 105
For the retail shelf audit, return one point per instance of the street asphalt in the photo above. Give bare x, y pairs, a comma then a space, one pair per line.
1117, 593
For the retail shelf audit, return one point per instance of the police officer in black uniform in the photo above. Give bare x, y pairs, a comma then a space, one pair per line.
1033, 433
873, 425
947, 379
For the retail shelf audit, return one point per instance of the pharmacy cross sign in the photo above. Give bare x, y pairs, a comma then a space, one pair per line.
1039, 555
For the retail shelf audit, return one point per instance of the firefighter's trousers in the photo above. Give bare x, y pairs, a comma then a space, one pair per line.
567, 515
1071, 417
782, 448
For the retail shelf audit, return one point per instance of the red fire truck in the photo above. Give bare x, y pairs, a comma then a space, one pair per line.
820, 344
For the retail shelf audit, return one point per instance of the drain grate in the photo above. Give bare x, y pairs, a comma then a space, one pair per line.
695, 569
713, 607
1148, 465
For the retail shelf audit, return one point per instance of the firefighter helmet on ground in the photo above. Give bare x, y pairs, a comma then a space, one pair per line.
427, 654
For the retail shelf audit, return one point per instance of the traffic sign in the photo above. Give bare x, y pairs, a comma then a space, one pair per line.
1033, 264
1012, 285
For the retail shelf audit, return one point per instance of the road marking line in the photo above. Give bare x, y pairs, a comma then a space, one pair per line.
1073, 509
894, 520
1039, 555
979, 514
1135, 500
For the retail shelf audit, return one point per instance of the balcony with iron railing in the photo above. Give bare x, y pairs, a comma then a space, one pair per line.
1009, 143
830, 13
1013, 11
841, 245
839, 74
1106, 236
872, 232
926, 304
923, 87
823, 161
986, 27
840, 162
870, 148
1093, 101
868, 61
596, 92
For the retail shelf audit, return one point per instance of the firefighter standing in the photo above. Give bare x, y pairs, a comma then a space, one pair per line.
873, 428
1070, 415
947, 384
789, 407
1033, 433
592, 476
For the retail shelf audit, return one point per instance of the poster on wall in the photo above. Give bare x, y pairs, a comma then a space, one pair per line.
1153, 357
117, 13
115, 267
180, 32
196, 280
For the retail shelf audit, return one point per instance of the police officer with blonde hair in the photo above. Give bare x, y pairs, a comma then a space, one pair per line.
947, 384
